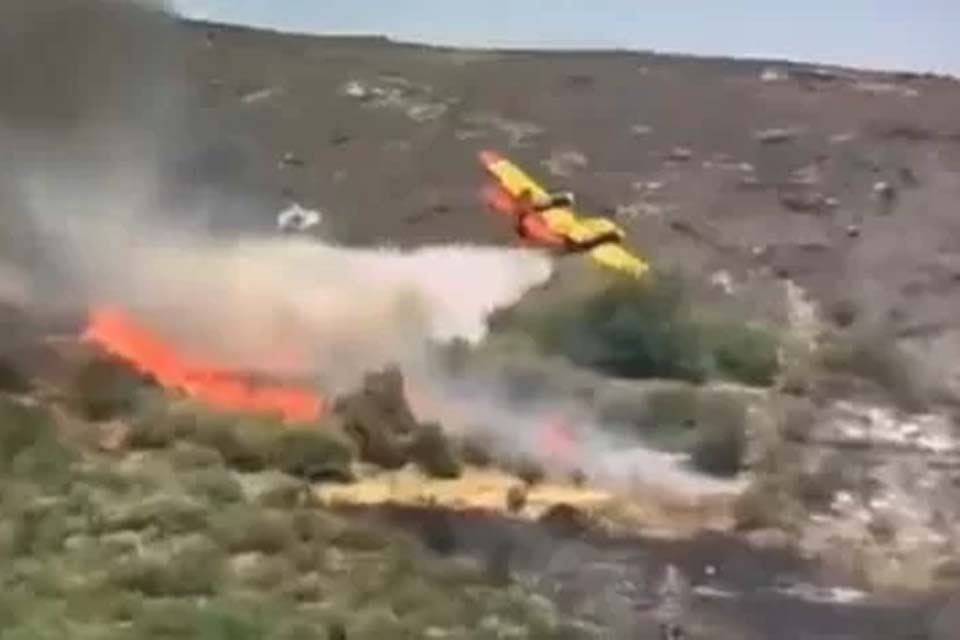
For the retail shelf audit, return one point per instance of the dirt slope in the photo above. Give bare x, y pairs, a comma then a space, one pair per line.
763, 170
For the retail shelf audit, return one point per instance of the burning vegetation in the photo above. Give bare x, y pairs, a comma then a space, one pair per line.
119, 335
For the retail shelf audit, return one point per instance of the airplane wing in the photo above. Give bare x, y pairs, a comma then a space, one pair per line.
615, 257
513, 179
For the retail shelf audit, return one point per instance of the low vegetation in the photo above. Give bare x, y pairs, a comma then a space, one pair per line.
873, 354
199, 528
648, 330
709, 425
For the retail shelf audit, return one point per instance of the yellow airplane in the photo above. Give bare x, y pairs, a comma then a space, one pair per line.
548, 219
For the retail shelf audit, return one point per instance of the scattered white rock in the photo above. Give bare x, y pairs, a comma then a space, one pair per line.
468, 134
842, 138
776, 135
641, 130
647, 187
769, 539
680, 154
828, 595
356, 89
518, 132
426, 112
259, 95
886, 88
773, 74
417, 102
858, 422
807, 175
643, 209
723, 280
299, 219
564, 163
290, 159
708, 591
883, 190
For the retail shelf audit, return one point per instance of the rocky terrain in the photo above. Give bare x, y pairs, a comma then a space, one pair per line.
780, 194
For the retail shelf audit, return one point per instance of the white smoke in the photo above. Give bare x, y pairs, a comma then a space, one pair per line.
91, 151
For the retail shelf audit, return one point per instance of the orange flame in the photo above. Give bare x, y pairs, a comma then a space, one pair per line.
557, 440
120, 336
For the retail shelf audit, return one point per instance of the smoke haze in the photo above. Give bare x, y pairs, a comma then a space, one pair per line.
92, 133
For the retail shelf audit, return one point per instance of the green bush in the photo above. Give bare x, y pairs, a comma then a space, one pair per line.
11, 377
475, 449
722, 440
243, 529
216, 485
314, 455
527, 469
168, 514
30, 447
104, 388
21, 427
190, 572
151, 431
624, 330
873, 354
744, 353
246, 444
432, 452
276, 490
187, 455
647, 330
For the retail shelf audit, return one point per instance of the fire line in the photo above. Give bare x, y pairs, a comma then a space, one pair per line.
118, 334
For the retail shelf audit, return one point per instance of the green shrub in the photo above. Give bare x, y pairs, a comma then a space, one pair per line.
276, 490
151, 432
475, 449
744, 353
647, 330
216, 620
722, 441
263, 572
625, 330
314, 455
215, 485
21, 427
30, 447
433, 454
359, 537
195, 571
246, 444
873, 354
104, 388
243, 529
38, 529
169, 514
187, 455
12, 378
527, 469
